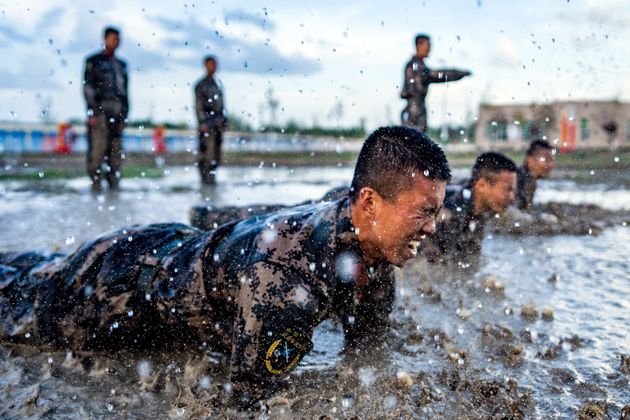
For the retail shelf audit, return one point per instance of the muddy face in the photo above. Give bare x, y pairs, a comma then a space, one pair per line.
399, 225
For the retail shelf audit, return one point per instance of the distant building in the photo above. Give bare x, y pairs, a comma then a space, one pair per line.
569, 125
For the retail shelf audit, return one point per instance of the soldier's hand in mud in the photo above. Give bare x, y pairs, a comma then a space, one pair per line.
92, 121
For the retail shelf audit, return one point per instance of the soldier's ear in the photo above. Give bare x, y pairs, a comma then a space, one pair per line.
368, 200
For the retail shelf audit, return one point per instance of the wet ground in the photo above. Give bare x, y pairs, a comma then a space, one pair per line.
541, 330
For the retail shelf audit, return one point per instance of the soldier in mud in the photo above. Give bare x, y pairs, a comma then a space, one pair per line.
539, 161
460, 228
105, 89
212, 121
418, 77
254, 288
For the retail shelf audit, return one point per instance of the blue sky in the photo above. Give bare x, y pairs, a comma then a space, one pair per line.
315, 55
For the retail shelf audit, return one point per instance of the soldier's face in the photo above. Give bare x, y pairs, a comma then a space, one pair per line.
498, 194
423, 48
211, 67
399, 225
112, 41
541, 163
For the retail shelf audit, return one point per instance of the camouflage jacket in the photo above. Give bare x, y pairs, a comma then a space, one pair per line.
459, 232
105, 85
255, 288
526, 187
209, 103
209, 217
418, 77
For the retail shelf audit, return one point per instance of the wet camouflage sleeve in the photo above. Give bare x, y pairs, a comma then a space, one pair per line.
365, 321
209, 217
277, 311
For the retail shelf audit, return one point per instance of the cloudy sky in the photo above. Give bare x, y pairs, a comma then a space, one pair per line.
315, 55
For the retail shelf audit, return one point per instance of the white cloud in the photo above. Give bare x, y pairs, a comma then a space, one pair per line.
505, 54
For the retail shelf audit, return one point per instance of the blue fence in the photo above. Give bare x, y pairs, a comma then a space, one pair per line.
41, 139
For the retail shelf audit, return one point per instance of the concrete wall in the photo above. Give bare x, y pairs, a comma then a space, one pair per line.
577, 123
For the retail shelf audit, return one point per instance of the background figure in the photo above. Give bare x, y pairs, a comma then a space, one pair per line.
539, 161
212, 122
105, 89
458, 236
416, 84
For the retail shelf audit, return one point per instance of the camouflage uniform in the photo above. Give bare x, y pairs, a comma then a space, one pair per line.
526, 187
458, 233
105, 90
254, 288
212, 122
415, 89
209, 217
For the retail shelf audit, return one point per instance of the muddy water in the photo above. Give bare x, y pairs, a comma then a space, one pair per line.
539, 331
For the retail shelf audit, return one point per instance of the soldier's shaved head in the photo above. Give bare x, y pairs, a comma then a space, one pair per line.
392, 157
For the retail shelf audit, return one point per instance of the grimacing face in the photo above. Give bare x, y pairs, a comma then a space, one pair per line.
401, 224
499, 194
540, 163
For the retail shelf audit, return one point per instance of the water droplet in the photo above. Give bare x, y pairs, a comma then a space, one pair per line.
70, 240
144, 369
204, 382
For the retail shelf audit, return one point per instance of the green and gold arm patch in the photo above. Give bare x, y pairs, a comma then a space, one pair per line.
286, 343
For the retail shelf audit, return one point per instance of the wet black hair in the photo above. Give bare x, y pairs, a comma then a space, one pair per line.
110, 30
422, 37
488, 165
392, 156
536, 145
210, 58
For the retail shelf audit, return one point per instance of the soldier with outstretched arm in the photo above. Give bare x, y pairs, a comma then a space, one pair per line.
417, 79
254, 288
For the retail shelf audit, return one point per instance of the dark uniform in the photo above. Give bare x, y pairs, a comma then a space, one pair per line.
212, 122
526, 187
254, 288
415, 89
105, 89
459, 232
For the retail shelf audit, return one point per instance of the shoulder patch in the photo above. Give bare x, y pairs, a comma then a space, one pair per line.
287, 342
286, 350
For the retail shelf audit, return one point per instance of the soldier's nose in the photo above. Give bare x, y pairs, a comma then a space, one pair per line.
429, 227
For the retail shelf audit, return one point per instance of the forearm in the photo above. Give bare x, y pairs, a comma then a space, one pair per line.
446, 75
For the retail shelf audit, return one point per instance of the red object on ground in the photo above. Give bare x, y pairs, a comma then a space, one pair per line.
65, 138
159, 140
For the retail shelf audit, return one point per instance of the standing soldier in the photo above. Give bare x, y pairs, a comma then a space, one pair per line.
212, 122
416, 84
105, 89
